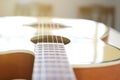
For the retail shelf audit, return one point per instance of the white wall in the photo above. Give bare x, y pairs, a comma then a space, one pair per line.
62, 8
117, 4
6, 7
68, 8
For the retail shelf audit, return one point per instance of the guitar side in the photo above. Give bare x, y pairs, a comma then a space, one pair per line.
16, 65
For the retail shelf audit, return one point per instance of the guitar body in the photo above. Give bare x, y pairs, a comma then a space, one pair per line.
111, 72
19, 65
16, 65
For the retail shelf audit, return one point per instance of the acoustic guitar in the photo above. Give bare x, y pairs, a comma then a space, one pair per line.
49, 60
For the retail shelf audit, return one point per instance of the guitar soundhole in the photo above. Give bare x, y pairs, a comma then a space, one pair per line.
50, 38
19, 79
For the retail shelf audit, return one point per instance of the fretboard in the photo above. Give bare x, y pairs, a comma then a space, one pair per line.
51, 63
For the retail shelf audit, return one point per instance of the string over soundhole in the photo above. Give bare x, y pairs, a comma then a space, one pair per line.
50, 38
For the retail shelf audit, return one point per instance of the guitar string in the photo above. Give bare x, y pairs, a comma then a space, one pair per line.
52, 26
48, 49
57, 26
70, 69
36, 50
61, 37
54, 41
39, 34
48, 44
61, 42
43, 73
58, 48
53, 45
55, 49
38, 43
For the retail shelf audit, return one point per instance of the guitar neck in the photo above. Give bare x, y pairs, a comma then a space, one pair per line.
51, 63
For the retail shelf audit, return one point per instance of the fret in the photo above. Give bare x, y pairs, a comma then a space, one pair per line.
50, 51
51, 46
47, 59
39, 54
48, 48
51, 63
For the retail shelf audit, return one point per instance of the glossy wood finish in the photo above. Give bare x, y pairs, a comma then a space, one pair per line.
19, 65
16, 65
98, 73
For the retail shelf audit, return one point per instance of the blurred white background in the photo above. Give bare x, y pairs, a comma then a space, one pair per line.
59, 8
